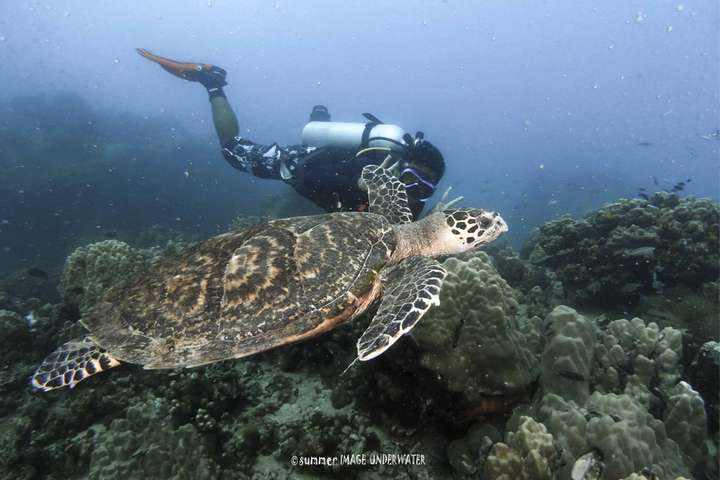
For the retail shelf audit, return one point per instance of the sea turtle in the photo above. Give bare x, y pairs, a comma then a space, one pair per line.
280, 282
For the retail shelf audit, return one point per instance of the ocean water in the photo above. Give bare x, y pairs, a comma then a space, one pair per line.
591, 129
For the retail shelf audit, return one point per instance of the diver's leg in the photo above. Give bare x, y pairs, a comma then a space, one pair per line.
212, 78
226, 124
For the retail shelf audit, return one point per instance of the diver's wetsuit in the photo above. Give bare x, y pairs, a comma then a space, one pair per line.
326, 175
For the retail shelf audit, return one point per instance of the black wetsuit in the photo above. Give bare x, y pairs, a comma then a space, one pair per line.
327, 175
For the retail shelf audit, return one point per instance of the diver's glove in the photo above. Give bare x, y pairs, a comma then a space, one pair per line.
442, 204
392, 167
210, 76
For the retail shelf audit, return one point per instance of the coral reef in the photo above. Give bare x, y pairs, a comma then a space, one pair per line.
686, 422
611, 404
638, 359
631, 247
527, 454
16, 338
536, 287
243, 221
626, 436
474, 341
614, 399
705, 375
144, 445
468, 454
568, 355
89, 271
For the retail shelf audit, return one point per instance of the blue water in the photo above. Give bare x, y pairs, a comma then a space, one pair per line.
540, 108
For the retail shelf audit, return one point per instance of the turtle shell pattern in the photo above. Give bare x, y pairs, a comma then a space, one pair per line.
245, 291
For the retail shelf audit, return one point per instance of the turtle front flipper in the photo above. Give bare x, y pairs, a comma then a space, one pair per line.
71, 363
409, 289
386, 194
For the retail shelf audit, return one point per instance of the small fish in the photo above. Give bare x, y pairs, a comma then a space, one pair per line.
644, 144
110, 234
689, 180
679, 187
552, 202
36, 272
570, 375
643, 196
31, 319
655, 181
642, 189
712, 136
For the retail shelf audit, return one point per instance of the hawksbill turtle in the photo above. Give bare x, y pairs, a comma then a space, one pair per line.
281, 282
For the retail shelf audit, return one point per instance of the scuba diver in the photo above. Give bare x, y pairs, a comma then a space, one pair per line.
327, 166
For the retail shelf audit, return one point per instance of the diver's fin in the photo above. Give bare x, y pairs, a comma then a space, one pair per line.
179, 69
208, 75
73, 362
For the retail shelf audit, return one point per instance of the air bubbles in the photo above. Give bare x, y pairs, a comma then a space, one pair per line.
680, 8
116, 61
669, 29
640, 17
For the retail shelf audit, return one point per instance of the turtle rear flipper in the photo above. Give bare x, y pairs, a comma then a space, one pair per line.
386, 194
71, 363
409, 289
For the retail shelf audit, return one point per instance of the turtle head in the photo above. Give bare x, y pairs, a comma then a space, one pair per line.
469, 228
447, 232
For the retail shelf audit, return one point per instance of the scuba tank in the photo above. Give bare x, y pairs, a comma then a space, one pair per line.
354, 136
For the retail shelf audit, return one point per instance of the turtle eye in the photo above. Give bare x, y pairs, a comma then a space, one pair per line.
485, 222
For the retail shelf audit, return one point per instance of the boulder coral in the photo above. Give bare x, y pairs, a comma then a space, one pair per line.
90, 270
473, 341
611, 398
145, 445
527, 454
